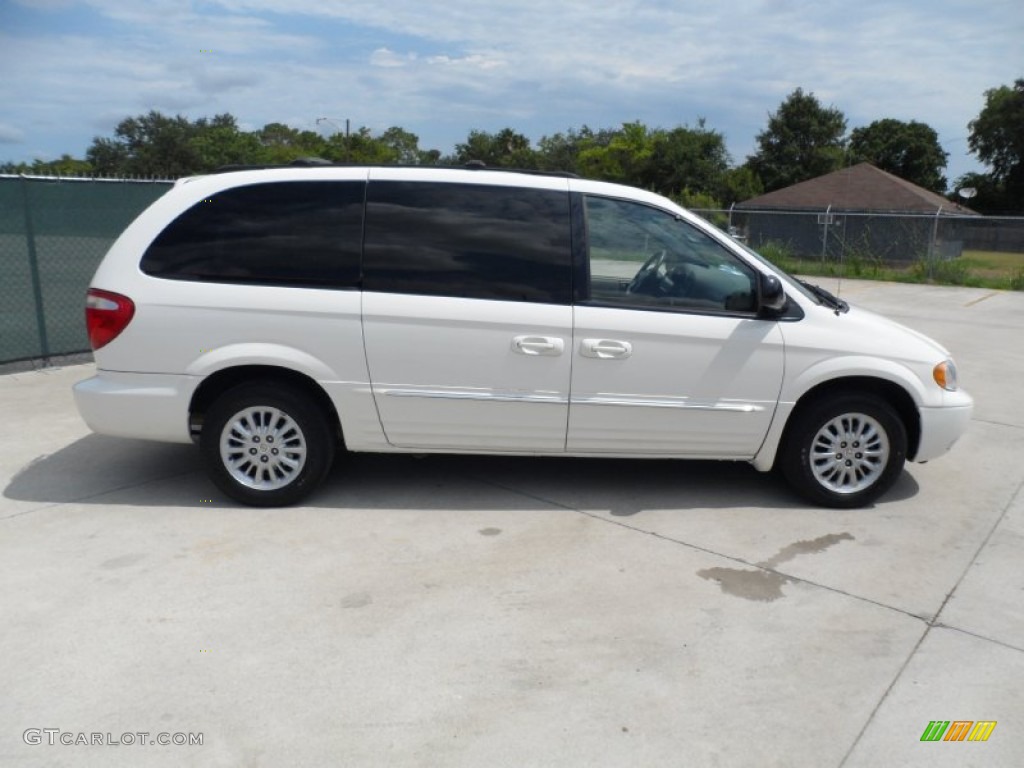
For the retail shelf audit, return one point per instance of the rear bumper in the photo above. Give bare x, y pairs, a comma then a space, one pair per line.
942, 427
148, 406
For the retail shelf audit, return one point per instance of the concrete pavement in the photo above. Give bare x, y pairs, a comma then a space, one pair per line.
467, 611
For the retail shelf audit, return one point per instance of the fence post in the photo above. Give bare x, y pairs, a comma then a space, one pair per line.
824, 237
932, 245
33, 263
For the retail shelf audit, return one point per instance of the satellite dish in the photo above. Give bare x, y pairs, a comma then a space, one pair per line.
967, 192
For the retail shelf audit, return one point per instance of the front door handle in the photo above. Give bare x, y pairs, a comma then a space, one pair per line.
606, 349
538, 345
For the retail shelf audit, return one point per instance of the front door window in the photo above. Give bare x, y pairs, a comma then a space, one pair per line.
646, 258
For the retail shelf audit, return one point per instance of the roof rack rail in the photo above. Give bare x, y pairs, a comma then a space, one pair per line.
319, 162
480, 165
310, 162
299, 162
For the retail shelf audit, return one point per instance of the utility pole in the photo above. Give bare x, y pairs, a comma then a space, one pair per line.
334, 122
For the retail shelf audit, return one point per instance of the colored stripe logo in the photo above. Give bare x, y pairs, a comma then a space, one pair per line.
958, 730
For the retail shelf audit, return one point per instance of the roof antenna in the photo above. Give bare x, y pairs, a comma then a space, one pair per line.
842, 270
848, 172
827, 220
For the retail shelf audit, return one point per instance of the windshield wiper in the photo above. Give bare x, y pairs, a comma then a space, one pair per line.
825, 296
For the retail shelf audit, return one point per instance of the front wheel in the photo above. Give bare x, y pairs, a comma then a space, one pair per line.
266, 445
844, 451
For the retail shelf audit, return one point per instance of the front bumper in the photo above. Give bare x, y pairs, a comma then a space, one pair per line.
941, 427
147, 406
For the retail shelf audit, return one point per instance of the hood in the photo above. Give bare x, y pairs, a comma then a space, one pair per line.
861, 332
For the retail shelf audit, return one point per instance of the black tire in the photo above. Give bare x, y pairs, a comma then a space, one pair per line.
845, 450
277, 444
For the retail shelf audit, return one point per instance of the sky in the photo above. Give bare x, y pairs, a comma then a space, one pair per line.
70, 70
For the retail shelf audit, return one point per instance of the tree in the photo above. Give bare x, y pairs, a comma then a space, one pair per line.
997, 139
169, 147
404, 148
908, 150
622, 156
394, 146
670, 162
684, 158
157, 145
504, 149
803, 140
108, 157
280, 144
740, 184
66, 165
218, 142
359, 147
561, 152
148, 145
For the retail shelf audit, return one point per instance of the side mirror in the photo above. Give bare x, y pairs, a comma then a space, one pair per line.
772, 296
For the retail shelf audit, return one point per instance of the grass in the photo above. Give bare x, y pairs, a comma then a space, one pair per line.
980, 269
997, 266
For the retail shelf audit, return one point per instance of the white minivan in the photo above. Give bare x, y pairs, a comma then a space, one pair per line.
277, 315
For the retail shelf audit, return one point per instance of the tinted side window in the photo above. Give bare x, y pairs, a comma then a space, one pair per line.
469, 241
302, 233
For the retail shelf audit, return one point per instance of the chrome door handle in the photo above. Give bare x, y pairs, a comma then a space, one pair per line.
606, 349
538, 345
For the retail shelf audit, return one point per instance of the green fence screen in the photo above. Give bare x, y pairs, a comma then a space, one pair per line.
53, 234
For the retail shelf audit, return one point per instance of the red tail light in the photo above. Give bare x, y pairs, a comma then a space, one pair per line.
106, 315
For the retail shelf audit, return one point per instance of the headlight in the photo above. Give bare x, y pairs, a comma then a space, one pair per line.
945, 375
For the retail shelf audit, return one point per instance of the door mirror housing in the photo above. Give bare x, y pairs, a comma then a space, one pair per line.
771, 296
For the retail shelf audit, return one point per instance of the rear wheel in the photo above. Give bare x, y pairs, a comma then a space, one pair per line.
844, 451
266, 445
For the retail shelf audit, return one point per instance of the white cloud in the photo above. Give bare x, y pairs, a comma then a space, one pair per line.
383, 57
11, 135
673, 63
470, 61
442, 69
173, 26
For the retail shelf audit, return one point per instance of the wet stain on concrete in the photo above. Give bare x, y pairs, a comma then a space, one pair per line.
489, 531
766, 585
808, 547
763, 586
356, 600
124, 561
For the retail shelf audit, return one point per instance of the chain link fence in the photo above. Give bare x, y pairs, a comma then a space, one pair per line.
891, 238
53, 234
926, 246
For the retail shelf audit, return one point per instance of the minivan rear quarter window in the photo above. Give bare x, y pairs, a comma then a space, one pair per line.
302, 233
468, 241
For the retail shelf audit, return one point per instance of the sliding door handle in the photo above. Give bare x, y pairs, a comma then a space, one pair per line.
538, 345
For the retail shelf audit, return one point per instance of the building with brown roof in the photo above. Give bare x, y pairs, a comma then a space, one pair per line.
861, 187
861, 210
